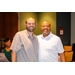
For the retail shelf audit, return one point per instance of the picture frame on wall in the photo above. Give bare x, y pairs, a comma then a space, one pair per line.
61, 31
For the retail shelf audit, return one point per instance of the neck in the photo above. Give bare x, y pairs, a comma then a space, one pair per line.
8, 48
44, 36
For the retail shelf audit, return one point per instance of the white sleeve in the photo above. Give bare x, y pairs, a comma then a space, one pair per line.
16, 43
60, 46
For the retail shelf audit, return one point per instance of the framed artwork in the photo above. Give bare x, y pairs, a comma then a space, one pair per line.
61, 30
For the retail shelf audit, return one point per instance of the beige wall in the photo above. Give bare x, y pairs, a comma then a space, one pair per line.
39, 17
22, 18
51, 17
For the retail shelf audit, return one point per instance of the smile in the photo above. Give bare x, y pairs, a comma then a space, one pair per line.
45, 30
31, 27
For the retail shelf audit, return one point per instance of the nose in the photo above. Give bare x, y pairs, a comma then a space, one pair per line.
45, 27
31, 24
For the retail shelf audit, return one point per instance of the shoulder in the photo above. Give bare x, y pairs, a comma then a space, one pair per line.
56, 37
3, 50
20, 33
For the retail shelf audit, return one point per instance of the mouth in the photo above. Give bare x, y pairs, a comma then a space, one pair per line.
8, 44
31, 27
45, 30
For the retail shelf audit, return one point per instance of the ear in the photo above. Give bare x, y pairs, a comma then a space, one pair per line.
25, 24
35, 24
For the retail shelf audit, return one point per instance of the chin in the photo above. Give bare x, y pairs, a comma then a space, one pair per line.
46, 34
8, 46
31, 30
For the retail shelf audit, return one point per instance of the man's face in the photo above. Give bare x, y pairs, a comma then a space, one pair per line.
8, 43
30, 26
45, 28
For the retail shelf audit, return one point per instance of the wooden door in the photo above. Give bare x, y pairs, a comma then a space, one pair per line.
1, 30
13, 24
8, 25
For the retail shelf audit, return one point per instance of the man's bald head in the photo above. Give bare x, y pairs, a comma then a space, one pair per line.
45, 22
45, 28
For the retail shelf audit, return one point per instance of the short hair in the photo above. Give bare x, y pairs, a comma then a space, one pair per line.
27, 18
6, 39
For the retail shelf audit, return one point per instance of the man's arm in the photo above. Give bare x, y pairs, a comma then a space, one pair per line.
62, 57
13, 57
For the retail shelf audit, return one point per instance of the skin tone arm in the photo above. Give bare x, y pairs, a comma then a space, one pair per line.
62, 57
13, 57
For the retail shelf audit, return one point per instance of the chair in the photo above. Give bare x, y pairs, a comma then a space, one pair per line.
68, 53
68, 56
67, 48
